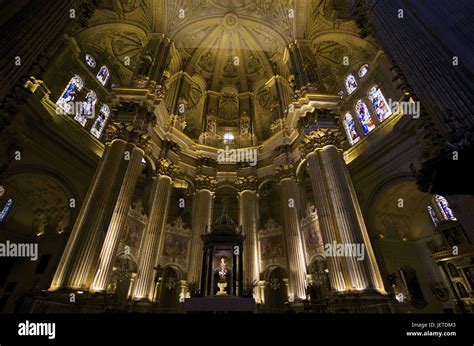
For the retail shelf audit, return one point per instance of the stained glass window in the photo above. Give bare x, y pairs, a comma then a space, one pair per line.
90, 61
432, 215
103, 75
351, 84
87, 108
351, 131
66, 101
364, 117
6, 209
363, 70
100, 122
444, 208
341, 94
379, 104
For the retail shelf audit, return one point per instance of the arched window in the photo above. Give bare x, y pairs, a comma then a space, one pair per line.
69, 94
103, 75
462, 290
100, 122
90, 60
6, 209
444, 208
363, 70
228, 137
432, 213
351, 131
379, 104
363, 115
87, 108
453, 271
350, 83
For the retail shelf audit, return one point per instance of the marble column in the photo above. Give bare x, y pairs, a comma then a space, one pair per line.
248, 205
152, 240
296, 262
202, 221
116, 225
84, 243
341, 222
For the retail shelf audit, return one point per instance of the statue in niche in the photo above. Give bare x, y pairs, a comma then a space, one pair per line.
207, 62
230, 71
222, 284
223, 270
253, 64
244, 124
211, 125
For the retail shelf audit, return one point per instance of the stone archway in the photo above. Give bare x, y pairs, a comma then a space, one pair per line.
276, 290
170, 287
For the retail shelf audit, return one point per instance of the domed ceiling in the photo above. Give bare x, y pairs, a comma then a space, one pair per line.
231, 42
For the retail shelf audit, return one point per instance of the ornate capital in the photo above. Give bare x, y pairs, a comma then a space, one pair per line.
246, 183
129, 134
319, 139
205, 182
166, 167
286, 170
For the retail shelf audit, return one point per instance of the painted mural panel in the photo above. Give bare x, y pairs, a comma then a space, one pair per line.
271, 247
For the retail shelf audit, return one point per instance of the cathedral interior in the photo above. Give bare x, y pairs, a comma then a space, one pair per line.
267, 156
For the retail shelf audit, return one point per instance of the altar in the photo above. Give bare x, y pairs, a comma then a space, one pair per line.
222, 259
220, 304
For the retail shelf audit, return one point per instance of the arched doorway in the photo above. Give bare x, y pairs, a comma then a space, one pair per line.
124, 270
169, 290
276, 292
320, 287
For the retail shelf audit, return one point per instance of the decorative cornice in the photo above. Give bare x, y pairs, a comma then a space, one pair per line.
319, 139
286, 170
205, 182
246, 183
137, 212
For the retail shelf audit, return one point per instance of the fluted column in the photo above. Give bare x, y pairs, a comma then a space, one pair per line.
153, 236
84, 243
341, 221
296, 261
114, 231
248, 205
202, 220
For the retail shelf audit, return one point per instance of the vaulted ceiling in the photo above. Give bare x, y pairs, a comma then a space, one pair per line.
229, 50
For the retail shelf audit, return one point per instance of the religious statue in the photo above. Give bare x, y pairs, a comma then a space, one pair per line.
222, 284
223, 270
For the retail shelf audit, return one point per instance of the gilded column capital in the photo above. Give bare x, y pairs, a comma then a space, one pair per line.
319, 139
286, 170
246, 183
205, 182
129, 134
166, 167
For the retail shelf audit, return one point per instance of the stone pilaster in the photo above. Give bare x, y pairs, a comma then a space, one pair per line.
84, 243
296, 262
152, 240
248, 206
202, 220
114, 231
297, 64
